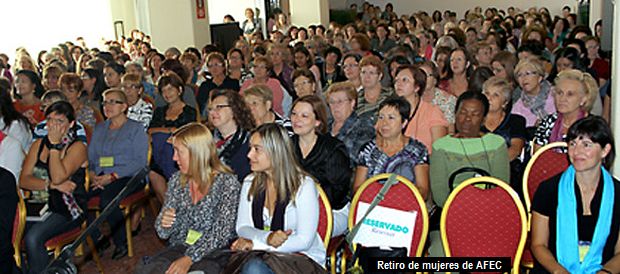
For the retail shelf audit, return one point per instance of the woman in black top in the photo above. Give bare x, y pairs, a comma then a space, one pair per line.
167, 119
575, 215
322, 155
55, 164
219, 80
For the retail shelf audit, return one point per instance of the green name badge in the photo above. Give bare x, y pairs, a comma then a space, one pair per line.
106, 161
192, 237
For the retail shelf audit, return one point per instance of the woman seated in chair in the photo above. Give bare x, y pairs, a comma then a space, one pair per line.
573, 96
392, 151
575, 215
198, 215
167, 119
118, 149
278, 208
233, 122
259, 99
56, 164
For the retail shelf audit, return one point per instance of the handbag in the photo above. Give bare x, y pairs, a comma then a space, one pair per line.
362, 253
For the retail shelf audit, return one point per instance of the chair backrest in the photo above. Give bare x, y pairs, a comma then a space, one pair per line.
547, 162
326, 220
478, 222
19, 224
402, 195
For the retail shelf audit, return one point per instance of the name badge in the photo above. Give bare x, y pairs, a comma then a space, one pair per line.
583, 249
106, 161
192, 237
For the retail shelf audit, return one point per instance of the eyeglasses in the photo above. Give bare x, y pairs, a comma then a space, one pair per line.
300, 84
350, 66
526, 73
217, 107
337, 102
112, 102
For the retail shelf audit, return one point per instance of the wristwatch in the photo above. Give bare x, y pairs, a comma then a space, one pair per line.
51, 146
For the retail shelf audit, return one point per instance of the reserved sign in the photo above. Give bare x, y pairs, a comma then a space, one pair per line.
385, 227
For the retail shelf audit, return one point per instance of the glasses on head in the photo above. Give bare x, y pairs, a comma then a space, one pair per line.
525, 74
300, 84
218, 65
217, 107
112, 102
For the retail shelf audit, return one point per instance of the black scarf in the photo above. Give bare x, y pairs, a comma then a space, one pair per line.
277, 222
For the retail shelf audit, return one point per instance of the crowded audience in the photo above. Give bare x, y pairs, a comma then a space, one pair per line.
243, 139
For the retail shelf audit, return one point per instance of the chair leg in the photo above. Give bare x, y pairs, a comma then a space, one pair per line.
128, 231
93, 251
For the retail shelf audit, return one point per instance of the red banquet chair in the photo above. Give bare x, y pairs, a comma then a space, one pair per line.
478, 222
326, 220
547, 162
402, 195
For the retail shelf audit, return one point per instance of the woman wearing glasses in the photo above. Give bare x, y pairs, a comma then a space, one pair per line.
535, 102
232, 122
118, 149
219, 80
71, 85
281, 99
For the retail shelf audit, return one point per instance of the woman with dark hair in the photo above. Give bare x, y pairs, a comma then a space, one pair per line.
278, 209
304, 59
304, 83
392, 151
56, 165
441, 57
93, 87
458, 72
117, 150
560, 30
436, 96
188, 96
71, 85
351, 69
28, 90
478, 77
322, 155
425, 122
332, 72
112, 74
468, 147
216, 62
12, 122
153, 65
360, 44
575, 222
232, 121
503, 65
167, 119
281, 98
236, 66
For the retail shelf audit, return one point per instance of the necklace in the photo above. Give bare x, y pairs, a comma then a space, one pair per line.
471, 164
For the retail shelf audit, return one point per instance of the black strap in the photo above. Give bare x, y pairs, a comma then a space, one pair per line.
477, 170
415, 110
277, 222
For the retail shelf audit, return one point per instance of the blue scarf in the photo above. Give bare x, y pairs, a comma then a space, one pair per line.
567, 248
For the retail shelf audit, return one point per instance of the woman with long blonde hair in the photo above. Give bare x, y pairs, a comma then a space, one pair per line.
198, 214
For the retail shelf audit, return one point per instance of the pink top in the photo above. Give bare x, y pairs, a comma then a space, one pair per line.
427, 116
531, 119
274, 85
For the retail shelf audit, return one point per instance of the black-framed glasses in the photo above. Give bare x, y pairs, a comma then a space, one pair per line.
112, 102
217, 107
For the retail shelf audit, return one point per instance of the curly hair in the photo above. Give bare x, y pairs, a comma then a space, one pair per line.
241, 112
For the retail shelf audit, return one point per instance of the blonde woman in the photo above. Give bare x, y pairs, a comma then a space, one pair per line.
278, 208
198, 215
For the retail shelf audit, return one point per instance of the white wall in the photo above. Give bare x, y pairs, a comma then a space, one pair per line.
40, 25
171, 24
236, 8
304, 13
460, 6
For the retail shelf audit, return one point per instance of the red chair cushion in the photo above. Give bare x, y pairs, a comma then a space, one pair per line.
93, 203
483, 223
323, 222
547, 165
64, 237
398, 197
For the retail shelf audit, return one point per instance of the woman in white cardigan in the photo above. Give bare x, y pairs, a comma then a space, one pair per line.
278, 208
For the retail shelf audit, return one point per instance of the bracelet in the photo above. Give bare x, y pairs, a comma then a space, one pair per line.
605, 270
